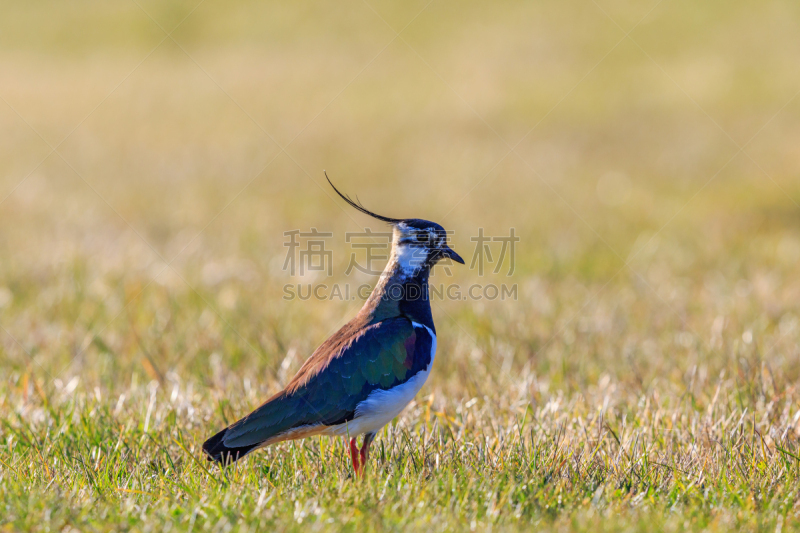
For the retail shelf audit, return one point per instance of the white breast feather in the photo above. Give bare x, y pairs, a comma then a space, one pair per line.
381, 406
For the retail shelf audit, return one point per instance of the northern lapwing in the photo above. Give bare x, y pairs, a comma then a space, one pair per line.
363, 376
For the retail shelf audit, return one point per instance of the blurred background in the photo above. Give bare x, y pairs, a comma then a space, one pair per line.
152, 155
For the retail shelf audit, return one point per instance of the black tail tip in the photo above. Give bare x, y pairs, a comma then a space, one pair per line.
212, 445
217, 451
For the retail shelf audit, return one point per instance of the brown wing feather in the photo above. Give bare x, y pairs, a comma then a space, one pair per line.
322, 356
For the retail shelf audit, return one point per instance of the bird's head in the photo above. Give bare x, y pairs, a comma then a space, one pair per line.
417, 243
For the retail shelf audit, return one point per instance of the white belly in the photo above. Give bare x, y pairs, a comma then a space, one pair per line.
381, 406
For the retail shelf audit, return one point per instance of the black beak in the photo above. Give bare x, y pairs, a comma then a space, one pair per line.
448, 252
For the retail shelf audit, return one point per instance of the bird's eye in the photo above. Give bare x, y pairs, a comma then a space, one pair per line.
422, 237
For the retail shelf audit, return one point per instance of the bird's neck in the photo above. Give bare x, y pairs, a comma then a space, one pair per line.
402, 290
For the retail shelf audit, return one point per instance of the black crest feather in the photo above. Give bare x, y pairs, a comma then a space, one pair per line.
357, 205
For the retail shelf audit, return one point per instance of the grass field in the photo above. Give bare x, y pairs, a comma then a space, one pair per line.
152, 155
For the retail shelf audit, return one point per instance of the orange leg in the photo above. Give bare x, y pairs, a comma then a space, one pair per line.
365, 450
354, 456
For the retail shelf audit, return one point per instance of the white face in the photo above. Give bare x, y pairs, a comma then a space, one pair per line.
413, 246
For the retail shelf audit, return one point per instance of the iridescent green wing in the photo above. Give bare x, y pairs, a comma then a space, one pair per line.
379, 357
